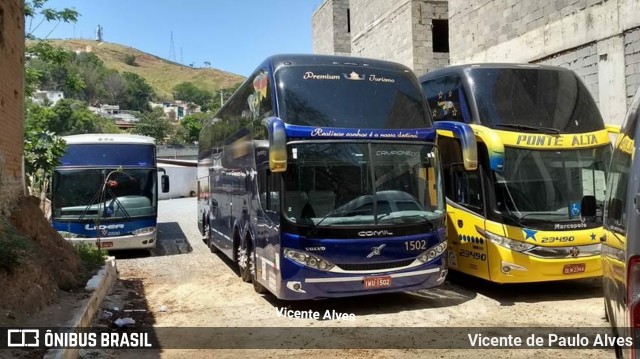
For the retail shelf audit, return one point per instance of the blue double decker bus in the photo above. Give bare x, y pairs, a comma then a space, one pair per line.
320, 178
105, 193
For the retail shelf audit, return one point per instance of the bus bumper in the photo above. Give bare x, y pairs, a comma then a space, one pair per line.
307, 283
508, 266
142, 241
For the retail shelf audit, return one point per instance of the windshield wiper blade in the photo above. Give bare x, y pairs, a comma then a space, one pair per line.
428, 220
314, 229
542, 129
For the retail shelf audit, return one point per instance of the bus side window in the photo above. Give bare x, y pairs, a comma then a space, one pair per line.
466, 189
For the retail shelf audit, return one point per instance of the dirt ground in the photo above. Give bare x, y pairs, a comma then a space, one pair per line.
200, 289
49, 264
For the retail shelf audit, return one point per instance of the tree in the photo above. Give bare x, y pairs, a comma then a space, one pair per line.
34, 10
187, 91
138, 93
42, 148
154, 124
67, 117
115, 86
192, 125
130, 59
42, 151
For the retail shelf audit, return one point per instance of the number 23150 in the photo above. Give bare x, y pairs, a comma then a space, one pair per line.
415, 245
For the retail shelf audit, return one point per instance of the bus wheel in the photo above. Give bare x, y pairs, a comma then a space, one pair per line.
243, 260
259, 288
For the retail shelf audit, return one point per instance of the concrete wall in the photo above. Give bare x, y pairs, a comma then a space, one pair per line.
330, 28
598, 39
394, 30
423, 12
182, 181
11, 98
382, 29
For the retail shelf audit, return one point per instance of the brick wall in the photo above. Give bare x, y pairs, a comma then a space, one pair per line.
11, 95
393, 30
582, 60
424, 12
383, 30
597, 39
330, 33
632, 62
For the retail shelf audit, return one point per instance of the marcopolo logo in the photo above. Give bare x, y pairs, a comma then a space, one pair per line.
90, 227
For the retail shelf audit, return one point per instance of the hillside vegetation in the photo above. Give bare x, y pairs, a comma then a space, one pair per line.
160, 73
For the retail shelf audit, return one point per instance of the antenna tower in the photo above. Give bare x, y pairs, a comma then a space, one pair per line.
172, 49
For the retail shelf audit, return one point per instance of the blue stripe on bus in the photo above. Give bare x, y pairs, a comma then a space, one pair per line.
295, 131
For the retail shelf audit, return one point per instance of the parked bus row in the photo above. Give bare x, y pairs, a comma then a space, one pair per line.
328, 176
337, 176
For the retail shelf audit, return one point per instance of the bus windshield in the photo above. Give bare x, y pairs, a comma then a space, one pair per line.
362, 184
549, 185
534, 97
352, 97
78, 193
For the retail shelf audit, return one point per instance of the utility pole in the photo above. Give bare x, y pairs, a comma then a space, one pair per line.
221, 99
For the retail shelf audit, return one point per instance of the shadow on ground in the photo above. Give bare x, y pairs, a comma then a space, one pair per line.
171, 241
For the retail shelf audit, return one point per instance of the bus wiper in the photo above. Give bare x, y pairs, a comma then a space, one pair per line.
422, 216
314, 229
542, 129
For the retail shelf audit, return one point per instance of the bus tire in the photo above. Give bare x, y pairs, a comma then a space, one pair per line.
242, 259
259, 288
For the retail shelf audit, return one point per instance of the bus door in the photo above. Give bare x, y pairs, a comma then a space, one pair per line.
468, 248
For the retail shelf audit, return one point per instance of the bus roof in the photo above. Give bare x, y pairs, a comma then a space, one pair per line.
459, 69
280, 60
97, 138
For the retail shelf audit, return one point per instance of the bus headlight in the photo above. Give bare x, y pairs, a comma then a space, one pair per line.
504, 241
308, 259
431, 253
145, 230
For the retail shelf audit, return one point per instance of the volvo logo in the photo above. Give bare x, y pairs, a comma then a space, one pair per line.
574, 252
375, 233
375, 251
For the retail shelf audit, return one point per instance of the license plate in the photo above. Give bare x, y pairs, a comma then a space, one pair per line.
377, 282
106, 244
574, 268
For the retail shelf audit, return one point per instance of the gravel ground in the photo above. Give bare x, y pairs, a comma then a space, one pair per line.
183, 285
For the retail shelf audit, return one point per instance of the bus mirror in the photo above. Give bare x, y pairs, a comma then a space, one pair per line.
277, 144
588, 207
164, 182
467, 138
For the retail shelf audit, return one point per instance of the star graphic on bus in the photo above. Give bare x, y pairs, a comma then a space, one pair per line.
593, 236
529, 233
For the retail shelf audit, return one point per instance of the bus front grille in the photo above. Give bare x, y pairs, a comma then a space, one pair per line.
376, 266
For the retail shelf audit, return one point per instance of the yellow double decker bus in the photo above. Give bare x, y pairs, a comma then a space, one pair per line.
543, 147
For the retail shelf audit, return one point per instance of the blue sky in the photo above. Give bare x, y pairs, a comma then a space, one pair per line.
234, 35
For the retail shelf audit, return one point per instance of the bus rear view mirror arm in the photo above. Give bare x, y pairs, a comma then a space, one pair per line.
277, 144
467, 138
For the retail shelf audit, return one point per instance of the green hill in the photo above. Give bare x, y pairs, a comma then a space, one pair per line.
160, 73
